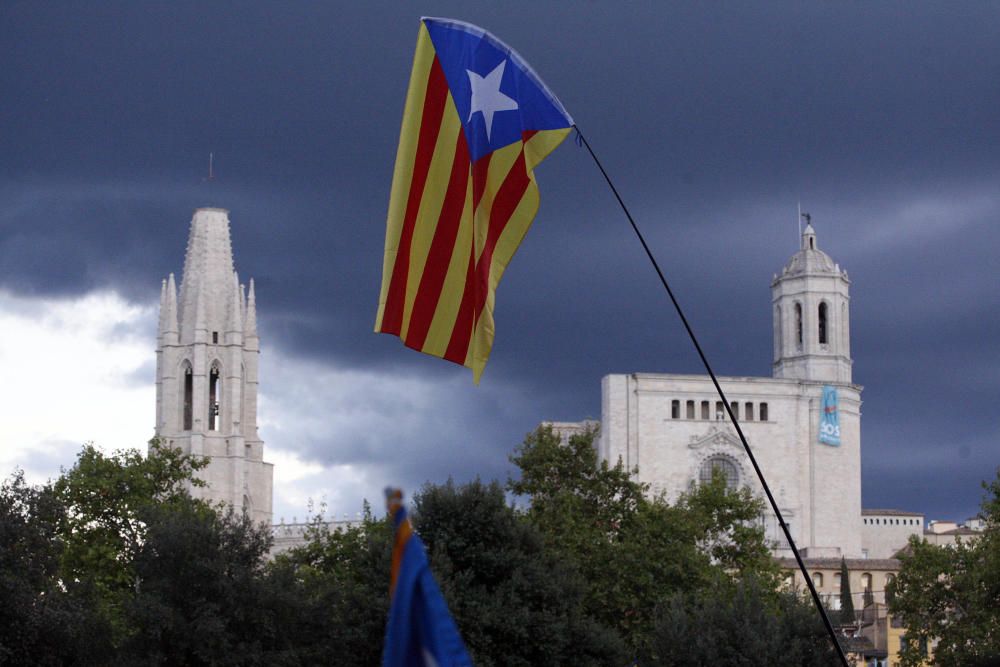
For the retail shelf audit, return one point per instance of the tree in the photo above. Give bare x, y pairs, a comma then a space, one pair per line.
747, 623
846, 598
41, 622
951, 594
633, 551
102, 525
202, 597
341, 580
514, 601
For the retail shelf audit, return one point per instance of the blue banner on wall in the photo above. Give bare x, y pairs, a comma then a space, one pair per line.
829, 420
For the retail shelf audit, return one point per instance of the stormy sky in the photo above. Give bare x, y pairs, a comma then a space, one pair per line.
714, 119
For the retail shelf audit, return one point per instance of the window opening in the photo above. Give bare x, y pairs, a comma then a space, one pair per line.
188, 396
763, 412
214, 392
675, 409
798, 323
822, 324
704, 410
748, 411
689, 410
735, 407
720, 412
215, 336
725, 466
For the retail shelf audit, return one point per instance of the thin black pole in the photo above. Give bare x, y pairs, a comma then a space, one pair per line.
729, 410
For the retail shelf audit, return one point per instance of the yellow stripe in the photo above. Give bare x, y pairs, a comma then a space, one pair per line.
443, 323
541, 144
513, 234
430, 205
535, 150
402, 175
500, 163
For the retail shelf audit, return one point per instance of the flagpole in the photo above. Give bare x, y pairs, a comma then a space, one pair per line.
729, 410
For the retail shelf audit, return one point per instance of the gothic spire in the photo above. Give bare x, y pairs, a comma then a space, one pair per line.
163, 303
234, 318
168, 315
206, 287
250, 323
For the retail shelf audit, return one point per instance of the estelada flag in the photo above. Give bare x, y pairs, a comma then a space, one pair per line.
476, 123
420, 630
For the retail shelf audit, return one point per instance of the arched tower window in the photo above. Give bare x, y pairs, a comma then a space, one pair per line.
798, 324
188, 397
726, 468
214, 396
822, 324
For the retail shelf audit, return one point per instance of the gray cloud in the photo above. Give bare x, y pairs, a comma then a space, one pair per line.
714, 122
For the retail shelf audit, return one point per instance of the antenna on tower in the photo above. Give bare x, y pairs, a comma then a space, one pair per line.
211, 170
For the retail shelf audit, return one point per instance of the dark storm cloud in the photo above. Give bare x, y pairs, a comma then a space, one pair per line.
714, 121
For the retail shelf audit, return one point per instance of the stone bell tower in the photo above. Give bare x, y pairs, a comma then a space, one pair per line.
812, 336
206, 371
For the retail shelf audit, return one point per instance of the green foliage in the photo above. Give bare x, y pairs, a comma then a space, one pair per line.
952, 594
632, 551
340, 580
846, 598
115, 563
515, 602
746, 623
41, 623
202, 597
105, 500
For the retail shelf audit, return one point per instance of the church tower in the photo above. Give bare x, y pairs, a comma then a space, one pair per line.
811, 321
206, 370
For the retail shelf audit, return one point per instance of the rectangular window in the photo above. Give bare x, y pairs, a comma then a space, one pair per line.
720, 412
763, 412
675, 409
748, 411
704, 410
735, 407
690, 410
215, 336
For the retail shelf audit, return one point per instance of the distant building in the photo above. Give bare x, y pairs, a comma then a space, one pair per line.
884, 532
947, 533
207, 352
674, 429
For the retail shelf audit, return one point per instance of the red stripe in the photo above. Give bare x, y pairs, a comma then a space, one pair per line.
430, 126
442, 248
508, 197
461, 333
480, 171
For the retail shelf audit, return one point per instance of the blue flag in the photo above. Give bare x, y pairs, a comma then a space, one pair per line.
829, 421
420, 631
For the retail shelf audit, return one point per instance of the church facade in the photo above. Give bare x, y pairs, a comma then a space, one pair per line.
207, 355
673, 429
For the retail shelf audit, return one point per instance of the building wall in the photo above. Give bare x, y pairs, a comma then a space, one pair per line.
878, 571
884, 532
817, 487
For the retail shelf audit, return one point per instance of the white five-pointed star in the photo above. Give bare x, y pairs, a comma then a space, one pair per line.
486, 96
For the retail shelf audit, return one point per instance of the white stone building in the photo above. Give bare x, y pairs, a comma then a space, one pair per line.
206, 371
674, 431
